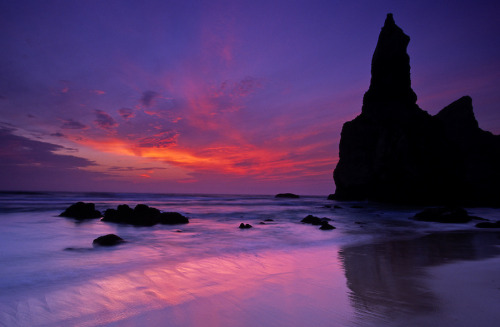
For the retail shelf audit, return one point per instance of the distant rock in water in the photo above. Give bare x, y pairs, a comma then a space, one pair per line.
81, 210
108, 240
172, 218
313, 220
287, 195
143, 215
245, 226
396, 152
326, 226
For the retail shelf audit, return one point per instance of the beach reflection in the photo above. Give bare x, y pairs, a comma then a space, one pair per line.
273, 288
387, 280
293, 287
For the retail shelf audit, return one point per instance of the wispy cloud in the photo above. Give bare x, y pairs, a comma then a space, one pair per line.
72, 124
148, 97
126, 113
104, 120
161, 140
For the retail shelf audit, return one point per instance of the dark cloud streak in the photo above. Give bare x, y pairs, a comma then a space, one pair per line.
104, 120
148, 98
126, 113
23, 152
72, 124
32, 165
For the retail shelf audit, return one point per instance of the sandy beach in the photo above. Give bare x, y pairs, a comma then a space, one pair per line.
426, 281
377, 268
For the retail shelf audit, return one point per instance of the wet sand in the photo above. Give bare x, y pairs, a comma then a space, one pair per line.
442, 279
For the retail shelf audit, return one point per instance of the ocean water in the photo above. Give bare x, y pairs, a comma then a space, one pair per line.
211, 273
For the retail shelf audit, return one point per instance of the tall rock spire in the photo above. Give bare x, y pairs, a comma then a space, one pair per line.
396, 152
390, 69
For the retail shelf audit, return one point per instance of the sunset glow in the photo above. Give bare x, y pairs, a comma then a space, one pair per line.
190, 96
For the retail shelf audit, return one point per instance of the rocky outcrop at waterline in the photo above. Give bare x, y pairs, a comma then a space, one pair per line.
287, 196
445, 215
143, 215
316, 221
81, 210
108, 240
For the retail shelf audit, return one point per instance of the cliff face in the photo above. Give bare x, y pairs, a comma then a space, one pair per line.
396, 152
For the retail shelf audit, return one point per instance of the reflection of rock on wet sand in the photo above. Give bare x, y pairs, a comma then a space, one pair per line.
387, 280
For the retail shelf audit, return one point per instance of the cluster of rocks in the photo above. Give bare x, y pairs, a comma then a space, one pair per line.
143, 215
313, 220
396, 152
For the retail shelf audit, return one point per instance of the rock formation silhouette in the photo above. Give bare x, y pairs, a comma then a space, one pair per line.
396, 152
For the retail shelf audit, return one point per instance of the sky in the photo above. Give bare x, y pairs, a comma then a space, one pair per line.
243, 97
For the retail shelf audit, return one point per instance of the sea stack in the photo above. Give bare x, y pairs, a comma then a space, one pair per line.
396, 152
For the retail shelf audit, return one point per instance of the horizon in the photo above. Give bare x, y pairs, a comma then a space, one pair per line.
244, 98
158, 193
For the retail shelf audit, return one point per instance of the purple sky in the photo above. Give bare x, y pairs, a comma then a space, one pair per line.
216, 96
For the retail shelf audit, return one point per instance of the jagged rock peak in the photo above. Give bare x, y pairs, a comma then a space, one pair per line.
396, 152
390, 70
459, 115
390, 25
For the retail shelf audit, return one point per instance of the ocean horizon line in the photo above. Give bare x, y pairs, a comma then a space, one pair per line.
154, 193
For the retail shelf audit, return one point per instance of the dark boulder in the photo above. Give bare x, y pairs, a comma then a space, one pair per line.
287, 195
331, 197
444, 215
143, 215
122, 214
326, 226
172, 218
245, 226
108, 240
313, 220
488, 225
81, 210
396, 152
